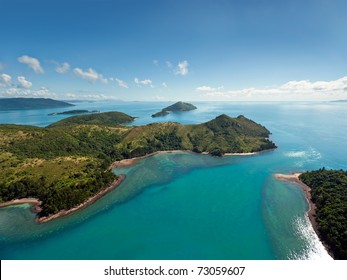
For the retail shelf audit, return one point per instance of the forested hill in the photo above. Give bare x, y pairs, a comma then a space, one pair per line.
31, 103
64, 163
105, 119
329, 193
177, 107
180, 107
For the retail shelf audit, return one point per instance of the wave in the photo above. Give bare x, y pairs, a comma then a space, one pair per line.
314, 249
303, 157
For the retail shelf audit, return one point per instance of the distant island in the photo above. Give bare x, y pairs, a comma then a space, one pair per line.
177, 107
31, 103
326, 192
67, 165
342, 100
74, 112
104, 119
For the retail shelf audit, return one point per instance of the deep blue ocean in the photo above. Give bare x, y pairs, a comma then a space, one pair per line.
189, 206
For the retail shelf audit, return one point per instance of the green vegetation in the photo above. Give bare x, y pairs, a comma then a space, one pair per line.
31, 103
160, 114
105, 119
67, 162
74, 112
177, 107
329, 193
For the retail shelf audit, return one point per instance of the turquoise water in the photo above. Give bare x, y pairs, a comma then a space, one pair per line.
188, 206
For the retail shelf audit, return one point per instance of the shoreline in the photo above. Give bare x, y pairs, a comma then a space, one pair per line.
89, 201
134, 160
36, 203
311, 213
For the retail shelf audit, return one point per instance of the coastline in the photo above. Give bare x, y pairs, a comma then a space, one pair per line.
85, 204
36, 203
134, 160
311, 213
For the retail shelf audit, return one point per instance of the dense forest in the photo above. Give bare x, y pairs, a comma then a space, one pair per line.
329, 193
68, 161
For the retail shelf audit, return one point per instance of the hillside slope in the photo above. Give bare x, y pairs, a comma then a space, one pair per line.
31, 103
177, 107
67, 162
105, 119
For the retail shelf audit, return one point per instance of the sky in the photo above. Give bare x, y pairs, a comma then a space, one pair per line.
189, 50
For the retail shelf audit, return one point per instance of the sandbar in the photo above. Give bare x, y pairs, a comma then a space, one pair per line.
34, 201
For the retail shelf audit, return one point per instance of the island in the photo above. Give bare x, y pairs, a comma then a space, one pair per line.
326, 192
177, 107
340, 101
74, 112
31, 103
68, 164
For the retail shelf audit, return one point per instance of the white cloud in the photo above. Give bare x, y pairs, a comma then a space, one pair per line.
32, 62
205, 88
156, 62
90, 75
182, 68
23, 92
292, 90
46, 93
121, 83
5, 80
143, 82
307, 86
23, 83
164, 84
62, 68
90, 96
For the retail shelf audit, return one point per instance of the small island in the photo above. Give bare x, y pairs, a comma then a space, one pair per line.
177, 107
31, 103
74, 112
326, 192
68, 164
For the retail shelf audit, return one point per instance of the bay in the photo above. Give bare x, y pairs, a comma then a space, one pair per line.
188, 206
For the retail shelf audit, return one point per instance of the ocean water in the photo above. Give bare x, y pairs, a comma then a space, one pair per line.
189, 206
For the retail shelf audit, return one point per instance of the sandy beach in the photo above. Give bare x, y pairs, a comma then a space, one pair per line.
294, 177
132, 161
248, 154
37, 203
34, 201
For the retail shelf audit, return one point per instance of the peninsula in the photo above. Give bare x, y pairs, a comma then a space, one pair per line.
326, 192
31, 103
177, 107
67, 163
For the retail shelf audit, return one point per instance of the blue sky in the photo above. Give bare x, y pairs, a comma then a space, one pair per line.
174, 50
